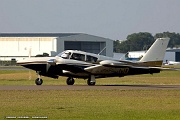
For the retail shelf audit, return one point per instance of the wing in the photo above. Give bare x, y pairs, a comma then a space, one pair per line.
115, 68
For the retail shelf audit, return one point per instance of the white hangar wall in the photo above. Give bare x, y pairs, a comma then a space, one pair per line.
20, 47
170, 56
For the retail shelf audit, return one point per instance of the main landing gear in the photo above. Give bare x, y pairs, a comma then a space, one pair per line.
91, 81
70, 81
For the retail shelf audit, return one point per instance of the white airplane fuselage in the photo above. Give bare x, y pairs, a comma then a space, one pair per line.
58, 66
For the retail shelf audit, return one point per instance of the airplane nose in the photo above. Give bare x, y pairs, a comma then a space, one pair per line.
52, 61
20, 62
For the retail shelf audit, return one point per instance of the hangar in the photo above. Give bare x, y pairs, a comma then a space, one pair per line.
14, 46
172, 55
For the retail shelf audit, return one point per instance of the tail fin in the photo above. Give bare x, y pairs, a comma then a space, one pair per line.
155, 54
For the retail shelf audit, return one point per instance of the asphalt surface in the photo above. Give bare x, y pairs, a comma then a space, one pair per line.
12, 68
96, 87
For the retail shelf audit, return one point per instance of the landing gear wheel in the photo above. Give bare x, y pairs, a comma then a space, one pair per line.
90, 83
70, 81
38, 81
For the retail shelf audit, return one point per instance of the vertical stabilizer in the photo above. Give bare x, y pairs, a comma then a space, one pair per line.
156, 52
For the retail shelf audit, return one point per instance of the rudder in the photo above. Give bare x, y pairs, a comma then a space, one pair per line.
155, 54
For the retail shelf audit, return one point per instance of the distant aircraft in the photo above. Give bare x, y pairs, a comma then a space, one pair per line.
79, 64
172, 63
133, 55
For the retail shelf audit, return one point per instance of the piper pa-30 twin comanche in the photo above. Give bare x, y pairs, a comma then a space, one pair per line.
78, 64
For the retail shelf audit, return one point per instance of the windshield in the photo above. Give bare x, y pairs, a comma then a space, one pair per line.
64, 55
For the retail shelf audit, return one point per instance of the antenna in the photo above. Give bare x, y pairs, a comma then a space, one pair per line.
30, 57
101, 50
30, 51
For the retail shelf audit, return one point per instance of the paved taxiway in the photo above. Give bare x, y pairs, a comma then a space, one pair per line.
12, 68
96, 87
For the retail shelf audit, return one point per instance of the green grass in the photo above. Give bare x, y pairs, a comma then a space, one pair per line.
92, 104
20, 77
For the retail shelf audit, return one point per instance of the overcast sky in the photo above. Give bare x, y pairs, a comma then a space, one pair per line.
114, 19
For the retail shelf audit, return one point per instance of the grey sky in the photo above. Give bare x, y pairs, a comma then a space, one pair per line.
114, 19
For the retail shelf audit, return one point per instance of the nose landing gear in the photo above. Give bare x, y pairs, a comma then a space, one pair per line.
38, 81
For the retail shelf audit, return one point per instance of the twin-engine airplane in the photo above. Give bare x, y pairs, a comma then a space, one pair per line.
78, 64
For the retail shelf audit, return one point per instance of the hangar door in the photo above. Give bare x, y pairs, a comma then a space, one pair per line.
92, 47
177, 55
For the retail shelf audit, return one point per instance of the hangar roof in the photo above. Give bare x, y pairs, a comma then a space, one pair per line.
44, 35
173, 50
37, 34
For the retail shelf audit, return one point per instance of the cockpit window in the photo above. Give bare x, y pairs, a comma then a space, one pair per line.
91, 58
64, 55
77, 56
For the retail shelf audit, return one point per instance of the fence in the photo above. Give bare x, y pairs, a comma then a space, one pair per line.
8, 63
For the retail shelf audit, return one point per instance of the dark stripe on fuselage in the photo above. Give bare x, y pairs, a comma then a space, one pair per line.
79, 68
124, 71
57, 69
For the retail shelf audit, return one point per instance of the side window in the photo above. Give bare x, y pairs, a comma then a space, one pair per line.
77, 56
91, 58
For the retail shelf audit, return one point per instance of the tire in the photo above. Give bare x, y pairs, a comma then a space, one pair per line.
70, 81
38, 81
90, 83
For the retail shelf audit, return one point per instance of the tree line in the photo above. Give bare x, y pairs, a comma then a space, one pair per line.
143, 40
